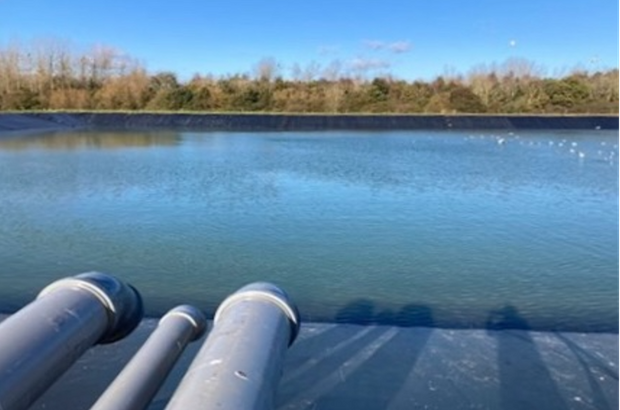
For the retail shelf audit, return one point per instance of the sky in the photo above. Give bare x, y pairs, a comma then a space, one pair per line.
409, 39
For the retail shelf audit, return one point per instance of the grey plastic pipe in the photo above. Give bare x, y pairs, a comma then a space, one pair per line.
42, 340
139, 381
240, 363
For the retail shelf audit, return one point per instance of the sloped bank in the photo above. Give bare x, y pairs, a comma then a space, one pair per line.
41, 121
21, 123
333, 367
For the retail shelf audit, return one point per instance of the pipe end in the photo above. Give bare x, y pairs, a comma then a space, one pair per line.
192, 314
122, 301
268, 292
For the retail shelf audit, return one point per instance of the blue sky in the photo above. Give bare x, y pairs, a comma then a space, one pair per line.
409, 39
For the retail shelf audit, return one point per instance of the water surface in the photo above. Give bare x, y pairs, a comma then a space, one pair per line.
452, 229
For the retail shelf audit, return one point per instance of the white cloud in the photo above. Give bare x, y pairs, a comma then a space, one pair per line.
368, 64
397, 47
374, 44
400, 47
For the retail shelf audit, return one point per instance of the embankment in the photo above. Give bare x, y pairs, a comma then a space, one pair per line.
335, 367
44, 121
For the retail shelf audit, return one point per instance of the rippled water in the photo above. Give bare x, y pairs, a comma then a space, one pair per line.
453, 229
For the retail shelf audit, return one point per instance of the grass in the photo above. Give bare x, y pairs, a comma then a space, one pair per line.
352, 114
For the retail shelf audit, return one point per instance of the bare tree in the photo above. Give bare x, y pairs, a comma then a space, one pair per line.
267, 69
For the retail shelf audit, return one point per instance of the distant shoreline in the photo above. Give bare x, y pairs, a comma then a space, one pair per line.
20, 122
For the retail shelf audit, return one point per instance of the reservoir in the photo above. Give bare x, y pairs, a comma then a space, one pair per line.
452, 229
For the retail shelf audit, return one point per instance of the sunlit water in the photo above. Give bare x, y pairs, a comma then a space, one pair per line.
452, 229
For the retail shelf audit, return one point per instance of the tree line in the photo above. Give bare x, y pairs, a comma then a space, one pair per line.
52, 76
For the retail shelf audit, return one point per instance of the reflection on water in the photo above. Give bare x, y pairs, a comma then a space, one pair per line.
455, 223
85, 140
